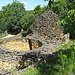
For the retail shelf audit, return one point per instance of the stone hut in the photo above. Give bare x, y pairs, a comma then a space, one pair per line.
40, 45
45, 26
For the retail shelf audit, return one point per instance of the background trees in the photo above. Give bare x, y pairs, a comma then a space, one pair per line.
14, 17
69, 19
3, 24
27, 22
50, 2
66, 12
12, 13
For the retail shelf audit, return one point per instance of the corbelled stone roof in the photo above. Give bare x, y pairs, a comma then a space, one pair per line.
45, 25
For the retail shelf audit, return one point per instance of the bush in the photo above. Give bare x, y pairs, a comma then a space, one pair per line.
61, 64
3, 24
38, 10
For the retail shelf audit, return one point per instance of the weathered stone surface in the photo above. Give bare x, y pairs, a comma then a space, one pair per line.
21, 44
27, 57
44, 25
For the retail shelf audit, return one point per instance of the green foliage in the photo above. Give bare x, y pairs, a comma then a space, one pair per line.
57, 7
24, 33
27, 22
70, 4
66, 11
31, 71
4, 36
68, 20
61, 7
50, 2
3, 24
69, 23
38, 10
60, 64
12, 13
66, 46
13, 18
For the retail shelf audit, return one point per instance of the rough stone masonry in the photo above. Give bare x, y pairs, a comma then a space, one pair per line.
50, 35
45, 26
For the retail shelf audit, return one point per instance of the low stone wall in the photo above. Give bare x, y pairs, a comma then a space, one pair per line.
15, 56
66, 38
20, 58
21, 44
40, 55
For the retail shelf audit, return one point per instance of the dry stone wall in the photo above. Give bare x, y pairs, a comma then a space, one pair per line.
12, 49
21, 44
21, 58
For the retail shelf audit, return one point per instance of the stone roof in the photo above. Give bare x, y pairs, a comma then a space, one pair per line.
45, 25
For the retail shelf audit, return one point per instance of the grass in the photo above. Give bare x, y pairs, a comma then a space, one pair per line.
2, 69
4, 36
66, 45
31, 71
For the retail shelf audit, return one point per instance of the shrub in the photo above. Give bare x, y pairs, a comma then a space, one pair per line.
61, 64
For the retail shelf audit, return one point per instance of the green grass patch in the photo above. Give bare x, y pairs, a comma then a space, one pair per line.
4, 36
66, 45
32, 71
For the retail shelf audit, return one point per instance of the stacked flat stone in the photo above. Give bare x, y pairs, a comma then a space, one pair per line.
45, 26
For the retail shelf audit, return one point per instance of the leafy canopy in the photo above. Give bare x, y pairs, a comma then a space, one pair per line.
11, 15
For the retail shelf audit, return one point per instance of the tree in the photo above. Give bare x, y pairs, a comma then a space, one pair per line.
3, 24
27, 22
69, 20
50, 2
57, 6
13, 18
12, 13
66, 11
38, 10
